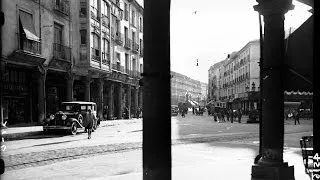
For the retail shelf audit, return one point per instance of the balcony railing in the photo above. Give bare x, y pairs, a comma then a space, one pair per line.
119, 38
62, 6
135, 74
127, 43
95, 14
95, 55
105, 59
135, 47
61, 52
117, 67
30, 46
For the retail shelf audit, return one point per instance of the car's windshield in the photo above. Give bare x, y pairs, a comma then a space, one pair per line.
69, 107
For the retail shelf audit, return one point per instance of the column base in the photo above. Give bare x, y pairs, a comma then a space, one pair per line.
263, 172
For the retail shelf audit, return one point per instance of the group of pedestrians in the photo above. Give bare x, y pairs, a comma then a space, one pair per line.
224, 115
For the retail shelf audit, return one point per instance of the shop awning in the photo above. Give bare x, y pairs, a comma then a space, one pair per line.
299, 58
28, 26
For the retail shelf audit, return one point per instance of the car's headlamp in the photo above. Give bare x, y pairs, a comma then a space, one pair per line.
51, 117
64, 117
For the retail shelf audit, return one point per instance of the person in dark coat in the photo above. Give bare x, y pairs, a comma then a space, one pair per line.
231, 115
227, 114
89, 120
239, 115
296, 117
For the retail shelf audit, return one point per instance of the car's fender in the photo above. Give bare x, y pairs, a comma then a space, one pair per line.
70, 120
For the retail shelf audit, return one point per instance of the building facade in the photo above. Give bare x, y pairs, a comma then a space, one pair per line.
184, 88
235, 80
55, 53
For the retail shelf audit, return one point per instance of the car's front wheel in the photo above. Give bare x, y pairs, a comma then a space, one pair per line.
73, 128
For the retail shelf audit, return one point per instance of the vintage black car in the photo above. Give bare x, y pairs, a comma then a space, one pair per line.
70, 117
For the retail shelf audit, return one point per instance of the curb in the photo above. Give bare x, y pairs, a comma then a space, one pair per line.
22, 135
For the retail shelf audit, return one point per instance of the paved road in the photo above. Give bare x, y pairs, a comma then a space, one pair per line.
123, 136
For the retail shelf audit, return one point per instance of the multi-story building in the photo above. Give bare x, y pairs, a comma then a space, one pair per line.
36, 58
214, 80
184, 88
109, 60
54, 53
236, 79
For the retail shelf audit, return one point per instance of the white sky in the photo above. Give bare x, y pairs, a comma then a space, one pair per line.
218, 28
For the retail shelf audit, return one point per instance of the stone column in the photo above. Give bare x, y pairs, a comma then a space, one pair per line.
271, 165
100, 103
110, 102
156, 91
129, 99
41, 96
87, 83
119, 100
69, 89
136, 100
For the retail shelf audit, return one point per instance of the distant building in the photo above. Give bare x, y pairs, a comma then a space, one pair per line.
183, 88
235, 80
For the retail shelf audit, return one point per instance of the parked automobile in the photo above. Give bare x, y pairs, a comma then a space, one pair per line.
174, 110
70, 117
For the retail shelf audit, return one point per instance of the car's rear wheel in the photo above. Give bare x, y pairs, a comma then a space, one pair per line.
73, 128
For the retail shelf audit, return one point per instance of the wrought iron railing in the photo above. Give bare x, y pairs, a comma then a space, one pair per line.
117, 66
135, 47
95, 14
119, 38
61, 52
105, 59
95, 55
30, 46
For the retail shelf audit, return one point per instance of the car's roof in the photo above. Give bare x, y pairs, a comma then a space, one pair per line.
78, 102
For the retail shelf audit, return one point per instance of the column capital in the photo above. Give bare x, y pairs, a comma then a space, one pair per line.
269, 7
69, 76
42, 70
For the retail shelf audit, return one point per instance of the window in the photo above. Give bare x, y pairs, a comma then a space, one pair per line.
57, 33
83, 9
141, 27
106, 49
126, 13
133, 17
127, 62
83, 37
96, 44
133, 37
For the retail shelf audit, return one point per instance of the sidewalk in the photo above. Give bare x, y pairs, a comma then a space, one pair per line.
16, 133
203, 161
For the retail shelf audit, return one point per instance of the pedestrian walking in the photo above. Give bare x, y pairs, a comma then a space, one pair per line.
193, 110
183, 111
90, 118
215, 116
231, 115
222, 115
239, 115
227, 114
296, 117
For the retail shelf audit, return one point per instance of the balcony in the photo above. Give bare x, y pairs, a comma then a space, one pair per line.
30, 46
105, 59
62, 6
135, 47
127, 43
94, 14
61, 52
117, 67
119, 38
28, 52
105, 21
95, 55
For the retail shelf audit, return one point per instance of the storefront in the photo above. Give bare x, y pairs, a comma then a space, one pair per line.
17, 95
